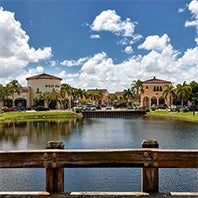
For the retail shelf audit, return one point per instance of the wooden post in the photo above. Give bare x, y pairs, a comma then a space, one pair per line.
150, 176
54, 176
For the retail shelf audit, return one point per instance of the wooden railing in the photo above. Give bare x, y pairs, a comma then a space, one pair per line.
150, 158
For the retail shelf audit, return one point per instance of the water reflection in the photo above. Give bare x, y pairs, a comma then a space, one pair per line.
99, 133
34, 135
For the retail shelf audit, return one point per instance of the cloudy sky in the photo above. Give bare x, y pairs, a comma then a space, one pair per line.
100, 43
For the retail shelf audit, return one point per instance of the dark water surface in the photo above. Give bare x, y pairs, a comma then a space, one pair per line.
99, 133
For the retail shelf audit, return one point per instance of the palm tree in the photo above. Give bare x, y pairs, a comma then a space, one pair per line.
137, 88
169, 91
3, 94
65, 91
13, 87
98, 96
127, 94
183, 92
78, 94
112, 98
49, 97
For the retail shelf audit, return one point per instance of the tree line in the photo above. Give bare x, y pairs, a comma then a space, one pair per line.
179, 94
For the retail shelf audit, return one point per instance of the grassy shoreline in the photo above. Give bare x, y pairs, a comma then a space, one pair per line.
185, 116
30, 116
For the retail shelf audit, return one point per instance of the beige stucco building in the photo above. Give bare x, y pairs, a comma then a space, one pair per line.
42, 83
153, 89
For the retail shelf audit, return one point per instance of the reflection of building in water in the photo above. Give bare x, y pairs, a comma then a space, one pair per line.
35, 135
42, 83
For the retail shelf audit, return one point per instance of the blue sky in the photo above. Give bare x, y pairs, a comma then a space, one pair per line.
101, 43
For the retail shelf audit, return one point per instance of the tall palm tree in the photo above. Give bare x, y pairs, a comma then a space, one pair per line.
13, 87
66, 91
137, 88
98, 96
78, 94
183, 92
3, 93
127, 94
169, 91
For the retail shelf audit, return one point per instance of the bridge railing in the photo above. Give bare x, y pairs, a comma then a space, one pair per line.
150, 158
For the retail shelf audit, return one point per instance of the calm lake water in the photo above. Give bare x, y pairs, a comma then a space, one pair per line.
99, 133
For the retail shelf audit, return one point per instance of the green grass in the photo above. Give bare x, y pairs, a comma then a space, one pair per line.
28, 116
188, 116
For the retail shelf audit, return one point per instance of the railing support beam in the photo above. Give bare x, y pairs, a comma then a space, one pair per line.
54, 176
150, 176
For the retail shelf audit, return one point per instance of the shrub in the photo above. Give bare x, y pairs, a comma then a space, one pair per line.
153, 108
185, 110
78, 110
129, 107
147, 109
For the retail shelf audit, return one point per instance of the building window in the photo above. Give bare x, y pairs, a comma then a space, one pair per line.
37, 90
146, 87
157, 88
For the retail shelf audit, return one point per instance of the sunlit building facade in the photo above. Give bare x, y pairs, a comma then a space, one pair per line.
152, 96
153, 93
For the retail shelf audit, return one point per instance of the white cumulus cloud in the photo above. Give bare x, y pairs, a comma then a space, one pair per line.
193, 7
15, 52
95, 36
128, 50
155, 42
71, 63
108, 20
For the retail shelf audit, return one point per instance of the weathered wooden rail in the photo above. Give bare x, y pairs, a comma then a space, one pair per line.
150, 158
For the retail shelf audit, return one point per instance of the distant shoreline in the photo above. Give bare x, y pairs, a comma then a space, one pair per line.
185, 116
34, 116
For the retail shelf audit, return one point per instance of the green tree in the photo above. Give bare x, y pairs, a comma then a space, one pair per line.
47, 97
137, 88
78, 94
66, 93
183, 92
112, 98
169, 91
66, 90
3, 93
127, 94
13, 87
194, 93
98, 95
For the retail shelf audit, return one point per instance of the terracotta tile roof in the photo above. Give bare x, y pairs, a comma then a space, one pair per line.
44, 76
93, 90
156, 81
